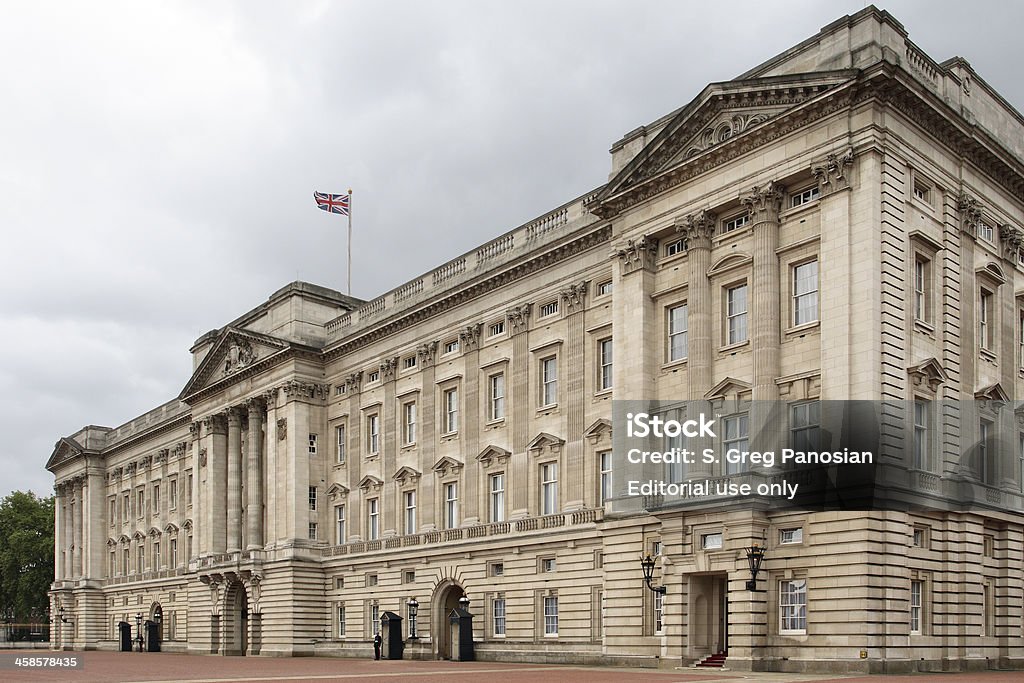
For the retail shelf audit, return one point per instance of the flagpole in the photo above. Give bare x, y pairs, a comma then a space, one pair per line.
350, 241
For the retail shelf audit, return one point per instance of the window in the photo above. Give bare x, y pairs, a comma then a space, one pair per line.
140, 502
735, 223
549, 381
988, 545
339, 390
986, 231
126, 507
605, 459
372, 580
139, 559
373, 434
410, 512
341, 621
735, 437
312, 531
497, 497
659, 612
498, 610
156, 555
373, 376
678, 323
922, 277
188, 492
339, 521
986, 609
172, 494
451, 411
1020, 338
922, 192
736, 314
374, 619
795, 535
126, 562
451, 346
312, 444
551, 615
409, 423
549, 488
916, 588
803, 197
409, 362
920, 450
339, 436
496, 328
805, 293
156, 499
451, 505
113, 511
984, 434
605, 358
312, 498
920, 537
986, 320
174, 552
711, 541
675, 247
804, 421
497, 396
604, 288
656, 548
793, 606
373, 519
547, 565
550, 308
497, 569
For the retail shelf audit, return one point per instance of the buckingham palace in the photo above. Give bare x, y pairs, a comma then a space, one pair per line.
844, 222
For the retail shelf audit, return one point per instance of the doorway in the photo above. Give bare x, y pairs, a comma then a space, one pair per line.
446, 599
709, 614
236, 625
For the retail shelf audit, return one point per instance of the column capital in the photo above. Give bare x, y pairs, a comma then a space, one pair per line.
831, 173
255, 407
1012, 239
970, 214
234, 416
518, 318
638, 254
764, 203
698, 228
215, 424
425, 353
194, 428
574, 297
469, 336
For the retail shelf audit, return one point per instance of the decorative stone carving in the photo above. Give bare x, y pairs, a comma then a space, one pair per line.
970, 214
698, 229
831, 174
723, 129
269, 398
253, 583
193, 429
297, 389
129, 469
764, 203
425, 353
574, 297
518, 318
161, 456
1012, 238
388, 368
446, 466
180, 449
638, 254
202, 457
406, 475
927, 375
469, 337
216, 424
214, 583
354, 381
282, 428
144, 462
240, 354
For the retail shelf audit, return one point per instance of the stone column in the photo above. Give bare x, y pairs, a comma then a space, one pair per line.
76, 525
425, 355
215, 534
469, 428
197, 491
764, 205
234, 463
574, 369
254, 476
94, 534
391, 436
354, 454
519, 474
59, 531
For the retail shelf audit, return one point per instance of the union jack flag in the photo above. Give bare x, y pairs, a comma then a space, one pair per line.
332, 203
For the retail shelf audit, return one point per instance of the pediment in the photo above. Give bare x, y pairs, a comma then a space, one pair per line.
336, 491
719, 117
187, 525
370, 482
599, 429
727, 386
405, 474
139, 536
235, 351
493, 454
170, 529
928, 373
124, 539
544, 441
154, 532
64, 449
729, 262
445, 465
992, 392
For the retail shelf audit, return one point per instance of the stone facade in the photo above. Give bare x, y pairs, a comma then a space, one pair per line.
331, 458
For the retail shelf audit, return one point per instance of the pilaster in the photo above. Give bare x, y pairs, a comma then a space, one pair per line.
254, 476
469, 340
574, 301
425, 356
234, 465
518, 327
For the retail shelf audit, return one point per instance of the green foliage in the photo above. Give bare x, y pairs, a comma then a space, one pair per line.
26, 553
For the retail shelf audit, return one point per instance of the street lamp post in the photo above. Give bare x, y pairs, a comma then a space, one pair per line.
138, 629
414, 607
755, 556
647, 565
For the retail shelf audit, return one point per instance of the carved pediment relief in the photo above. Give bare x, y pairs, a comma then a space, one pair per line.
235, 351
64, 449
928, 374
187, 525
726, 125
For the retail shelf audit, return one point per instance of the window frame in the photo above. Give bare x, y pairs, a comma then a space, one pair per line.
738, 317
811, 294
605, 358
793, 611
548, 478
672, 332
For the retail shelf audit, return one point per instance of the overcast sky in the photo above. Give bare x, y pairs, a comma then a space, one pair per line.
157, 159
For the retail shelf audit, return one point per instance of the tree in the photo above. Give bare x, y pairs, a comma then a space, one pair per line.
26, 553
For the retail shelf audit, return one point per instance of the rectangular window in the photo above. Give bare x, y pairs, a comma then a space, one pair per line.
549, 381
922, 274
409, 423
371, 580
341, 621
795, 535
604, 288
374, 619
678, 324
498, 610
736, 314
188, 491
549, 488
735, 223
496, 328
804, 421
920, 451
140, 502
156, 499
156, 555
986, 231
916, 588
497, 569
921, 192
339, 437
113, 511
550, 308
803, 197
497, 497
986, 320
126, 560
605, 357
675, 247
793, 606
1020, 338
373, 376
312, 498
312, 444
551, 615
409, 576
173, 494
451, 411
548, 565
606, 475
659, 612
140, 558
312, 531
984, 434
126, 507
805, 293
409, 362
497, 396
919, 539
410, 512
339, 521
451, 505
373, 434
174, 552
735, 437
451, 346
711, 541
373, 519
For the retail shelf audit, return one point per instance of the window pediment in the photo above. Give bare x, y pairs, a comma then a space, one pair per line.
446, 466
545, 442
493, 454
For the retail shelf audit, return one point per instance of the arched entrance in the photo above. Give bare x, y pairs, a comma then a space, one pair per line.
156, 615
236, 620
446, 598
